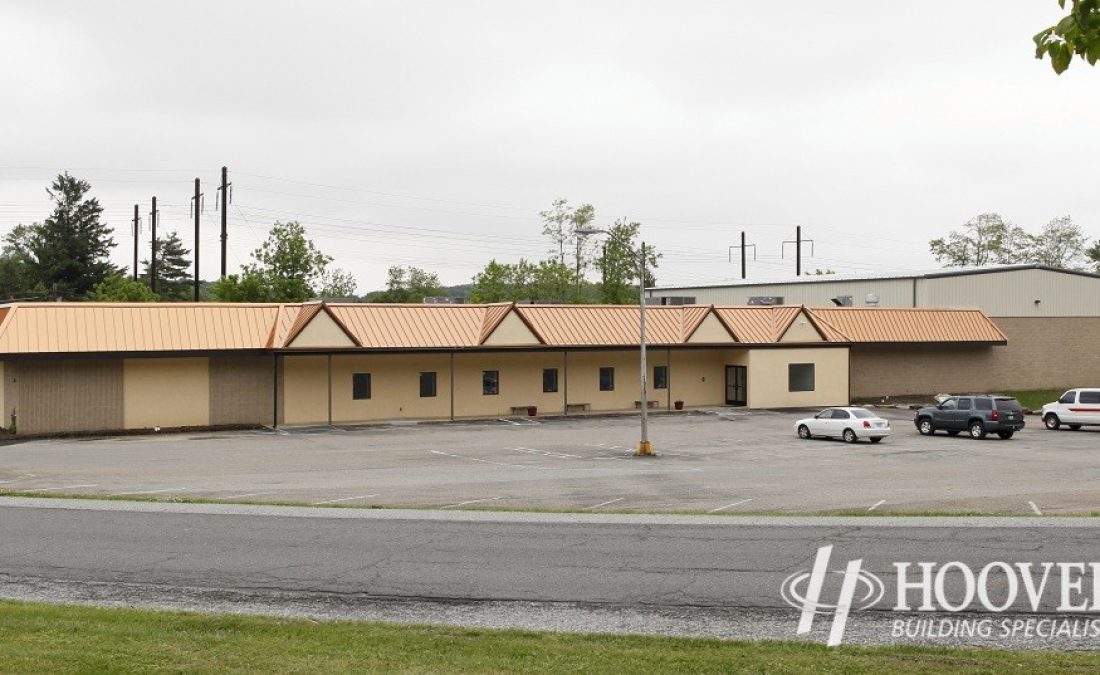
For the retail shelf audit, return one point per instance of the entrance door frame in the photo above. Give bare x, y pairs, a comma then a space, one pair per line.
737, 382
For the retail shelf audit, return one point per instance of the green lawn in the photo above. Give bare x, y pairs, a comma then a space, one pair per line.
39, 638
1037, 398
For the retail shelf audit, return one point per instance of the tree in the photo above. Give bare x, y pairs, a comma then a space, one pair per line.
986, 239
337, 283
1094, 255
619, 264
16, 273
69, 253
822, 272
1078, 33
408, 284
121, 288
287, 268
1060, 244
174, 280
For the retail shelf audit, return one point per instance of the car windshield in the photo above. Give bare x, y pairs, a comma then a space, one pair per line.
1008, 404
862, 414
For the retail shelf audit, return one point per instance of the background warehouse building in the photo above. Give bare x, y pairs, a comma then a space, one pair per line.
1050, 317
78, 367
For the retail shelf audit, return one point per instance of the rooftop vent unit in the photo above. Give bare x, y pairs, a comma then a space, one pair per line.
767, 300
842, 301
672, 300
443, 300
871, 299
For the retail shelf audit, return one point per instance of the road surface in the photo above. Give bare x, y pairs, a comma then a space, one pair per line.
681, 575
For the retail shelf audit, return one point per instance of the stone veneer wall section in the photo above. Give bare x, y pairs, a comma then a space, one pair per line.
241, 390
51, 397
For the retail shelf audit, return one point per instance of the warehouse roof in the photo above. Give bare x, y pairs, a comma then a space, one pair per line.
87, 327
834, 278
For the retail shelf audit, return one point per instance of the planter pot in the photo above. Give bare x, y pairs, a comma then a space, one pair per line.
679, 405
532, 411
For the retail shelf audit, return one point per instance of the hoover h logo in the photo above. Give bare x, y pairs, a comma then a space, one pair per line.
802, 590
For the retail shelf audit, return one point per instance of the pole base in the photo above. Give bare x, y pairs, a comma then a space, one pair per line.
645, 449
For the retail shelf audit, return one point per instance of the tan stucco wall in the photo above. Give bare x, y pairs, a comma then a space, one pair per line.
801, 330
711, 331
395, 387
166, 393
697, 377
584, 378
520, 383
303, 389
768, 382
512, 331
322, 331
241, 390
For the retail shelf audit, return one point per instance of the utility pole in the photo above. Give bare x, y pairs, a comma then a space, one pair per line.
197, 208
798, 251
153, 257
798, 242
744, 251
223, 193
137, 232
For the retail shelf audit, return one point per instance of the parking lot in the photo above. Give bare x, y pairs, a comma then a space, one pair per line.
722, 461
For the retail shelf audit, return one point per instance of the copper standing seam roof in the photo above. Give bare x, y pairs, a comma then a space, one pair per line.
888, 325
62, 328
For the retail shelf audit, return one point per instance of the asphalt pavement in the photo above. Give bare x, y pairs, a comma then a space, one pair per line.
668, 574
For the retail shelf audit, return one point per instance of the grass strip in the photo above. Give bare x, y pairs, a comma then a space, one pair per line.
38, 638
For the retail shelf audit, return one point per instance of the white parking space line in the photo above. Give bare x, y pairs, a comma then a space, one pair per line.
146, 492
730, 506
472, 501
1035, 508
63, 487
247, 494
345, 499
19, 478
609, 501
877, 504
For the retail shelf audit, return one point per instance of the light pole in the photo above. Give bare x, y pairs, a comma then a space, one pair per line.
645, 448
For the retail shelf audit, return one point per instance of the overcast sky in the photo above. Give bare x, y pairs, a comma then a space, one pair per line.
432, 133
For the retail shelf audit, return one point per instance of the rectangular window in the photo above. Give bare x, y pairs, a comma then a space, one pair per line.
1089, 397
800, 377
549, 380
427, 385
660, 377
983, 404
607, 379
490, 382
964, 404
360, 386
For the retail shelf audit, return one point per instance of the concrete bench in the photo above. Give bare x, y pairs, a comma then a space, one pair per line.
649, 404
521, 409
578, 407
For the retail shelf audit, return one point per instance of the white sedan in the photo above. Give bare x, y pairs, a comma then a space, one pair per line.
851, 424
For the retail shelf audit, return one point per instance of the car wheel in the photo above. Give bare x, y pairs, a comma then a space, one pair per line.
1005, 434
1074, 427
977, 430
953, 432
804, 431
924, 426
849, 436
876, 439
1052, 421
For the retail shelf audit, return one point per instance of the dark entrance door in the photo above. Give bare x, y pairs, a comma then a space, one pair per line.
737, 385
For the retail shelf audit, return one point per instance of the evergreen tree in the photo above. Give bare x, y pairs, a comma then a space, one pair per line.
174, 280
69, 252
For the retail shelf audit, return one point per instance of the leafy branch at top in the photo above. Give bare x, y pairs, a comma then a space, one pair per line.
1078, 33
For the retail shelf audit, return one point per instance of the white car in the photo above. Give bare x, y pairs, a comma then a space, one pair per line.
1075, 409
851, 424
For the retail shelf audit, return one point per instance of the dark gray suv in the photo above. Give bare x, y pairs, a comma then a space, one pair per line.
977, 414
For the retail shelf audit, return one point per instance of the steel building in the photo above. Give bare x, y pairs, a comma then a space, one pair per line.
82, 367
1050, 316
